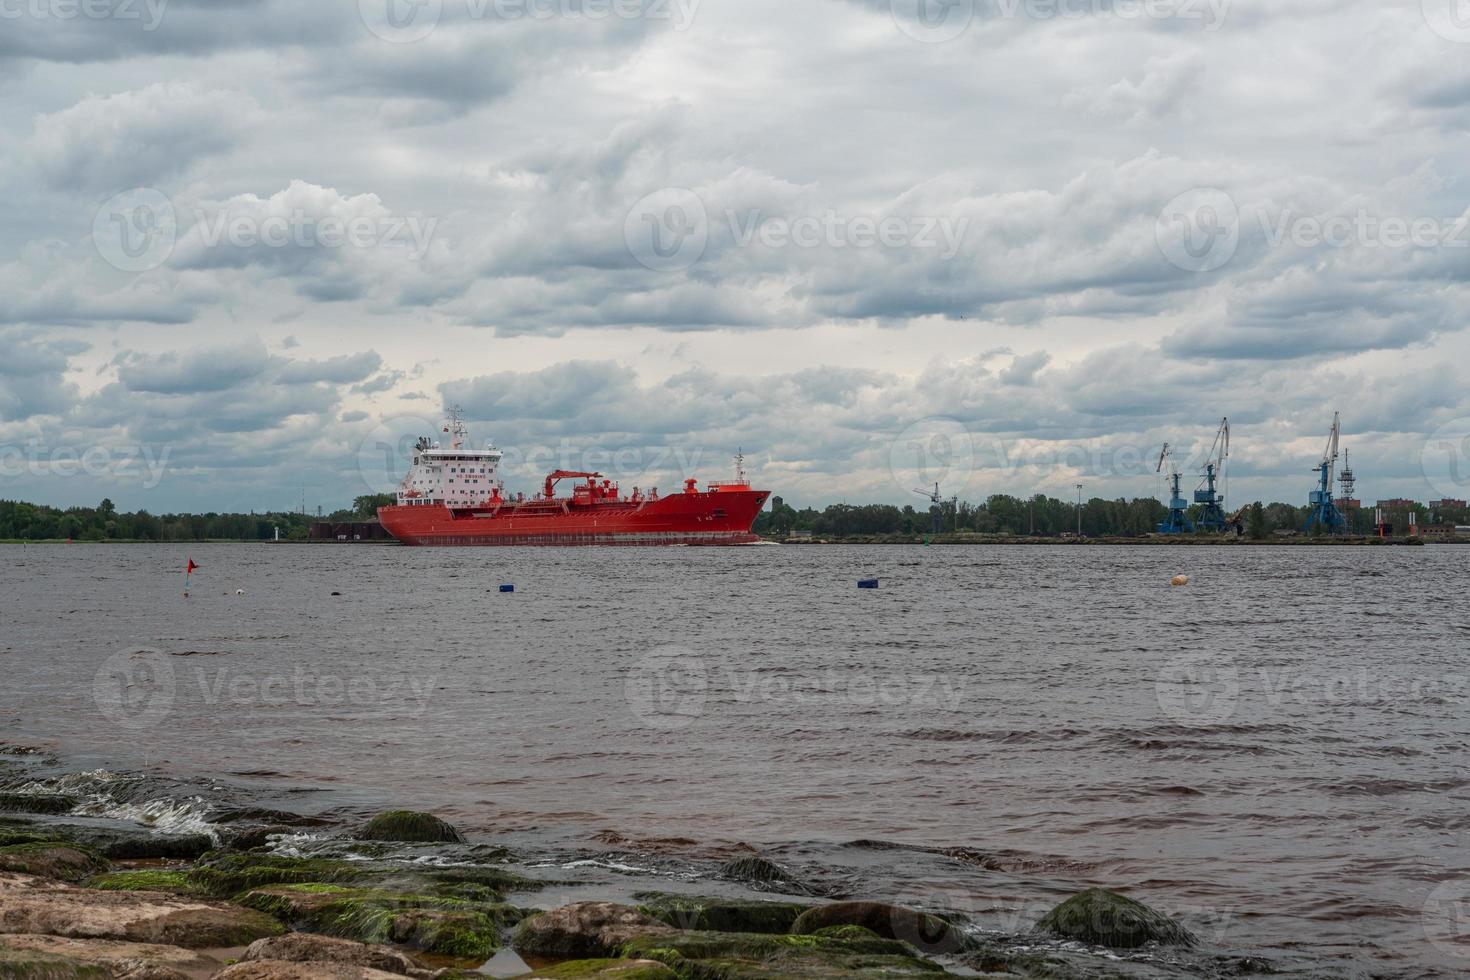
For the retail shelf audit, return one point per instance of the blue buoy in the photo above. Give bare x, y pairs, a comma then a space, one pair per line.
868, 583
507, 588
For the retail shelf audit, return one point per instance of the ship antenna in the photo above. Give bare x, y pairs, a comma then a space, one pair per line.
740, 465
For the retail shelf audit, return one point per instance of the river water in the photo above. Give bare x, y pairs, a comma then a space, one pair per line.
1276, 754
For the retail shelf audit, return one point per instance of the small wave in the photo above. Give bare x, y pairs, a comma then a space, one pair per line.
167, 815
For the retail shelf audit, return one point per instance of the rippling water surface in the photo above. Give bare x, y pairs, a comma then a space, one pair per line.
1277, 754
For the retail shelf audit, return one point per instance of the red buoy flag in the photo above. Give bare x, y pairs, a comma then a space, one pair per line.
191, 567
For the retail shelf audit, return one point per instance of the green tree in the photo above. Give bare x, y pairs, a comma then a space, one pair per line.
1255, 522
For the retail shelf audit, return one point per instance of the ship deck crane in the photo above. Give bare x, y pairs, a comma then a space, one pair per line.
1212, 502
1178, 522
1322, 509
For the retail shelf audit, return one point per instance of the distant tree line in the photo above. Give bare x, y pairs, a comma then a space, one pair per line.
1001, 514
1047, 517
33, 522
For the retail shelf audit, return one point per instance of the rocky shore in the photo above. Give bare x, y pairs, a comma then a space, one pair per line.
405, 895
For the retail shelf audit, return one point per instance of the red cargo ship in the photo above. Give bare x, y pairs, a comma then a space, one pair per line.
453, 496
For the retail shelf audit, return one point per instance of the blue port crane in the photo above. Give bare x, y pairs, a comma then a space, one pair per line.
1178, 522
1322, 511
1208, 496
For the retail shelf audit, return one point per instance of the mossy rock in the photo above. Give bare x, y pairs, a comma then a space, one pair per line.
47, 803
435, 924
728, 956
467, 878
25, 965
610, 969
1103, 918
150, 880
52, 859
696, 945
136, 844
720, 914
847, 932
223, 875
929, 934
412, 827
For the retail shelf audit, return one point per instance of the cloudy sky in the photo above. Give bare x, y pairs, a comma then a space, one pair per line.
1013, 245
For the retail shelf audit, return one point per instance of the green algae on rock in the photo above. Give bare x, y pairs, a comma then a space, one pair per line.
736, 956
410, 826
223, 875
53, 859
435, 924
149, 880
20, 964
1103, 918
929, 934
586, 929
610, 969
720, 914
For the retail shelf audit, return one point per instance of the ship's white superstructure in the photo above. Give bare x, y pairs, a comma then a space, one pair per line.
452, 475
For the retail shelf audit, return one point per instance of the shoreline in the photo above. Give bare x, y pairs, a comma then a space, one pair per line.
251, 892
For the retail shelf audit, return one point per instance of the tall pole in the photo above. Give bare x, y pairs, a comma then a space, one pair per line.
1079, 510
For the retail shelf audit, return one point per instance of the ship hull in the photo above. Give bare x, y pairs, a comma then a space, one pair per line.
716, 517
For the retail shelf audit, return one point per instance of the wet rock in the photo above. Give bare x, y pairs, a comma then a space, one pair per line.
929, 934
1103, 918
411, 826
223, 875
285, 970
62, 861
756, 870
611, 969
120, 960
585, 929
44, 803
150, 880
444, 926
735, 956
133, 843
300, 947
264, 815
720, 914
45, 966
35, 905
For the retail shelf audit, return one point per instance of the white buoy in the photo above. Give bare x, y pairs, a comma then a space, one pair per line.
1180, 581
239, 592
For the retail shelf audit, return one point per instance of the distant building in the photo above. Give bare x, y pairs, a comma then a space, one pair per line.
1398, 503
1448, 505
800, 535
1437, 530
1349, 503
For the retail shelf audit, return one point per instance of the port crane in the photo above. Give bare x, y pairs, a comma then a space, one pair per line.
1212, 502
936, 500
1323, 511
1178, 522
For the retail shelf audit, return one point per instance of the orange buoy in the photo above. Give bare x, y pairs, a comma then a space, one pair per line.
1180, 581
